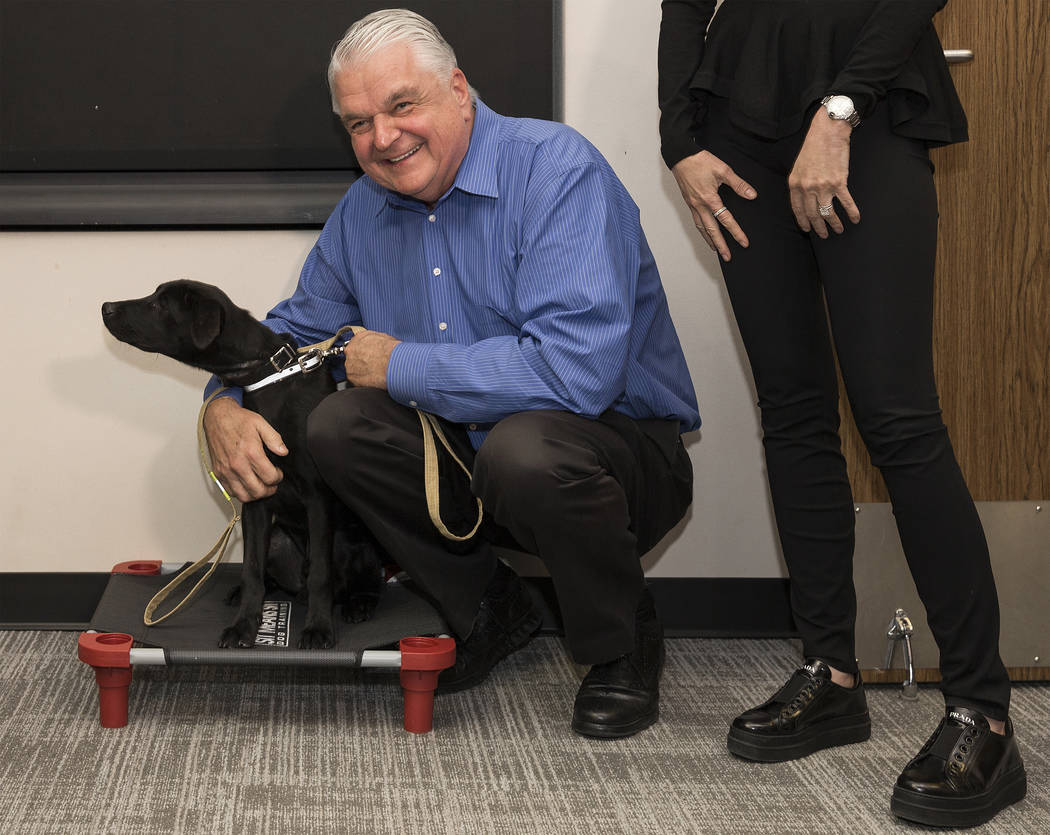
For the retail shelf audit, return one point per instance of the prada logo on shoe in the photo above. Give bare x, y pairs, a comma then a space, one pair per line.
961, 717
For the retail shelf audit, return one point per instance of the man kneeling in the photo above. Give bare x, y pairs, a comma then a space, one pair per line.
500, 269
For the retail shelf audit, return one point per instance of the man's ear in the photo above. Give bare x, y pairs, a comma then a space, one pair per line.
205, 323
460, 87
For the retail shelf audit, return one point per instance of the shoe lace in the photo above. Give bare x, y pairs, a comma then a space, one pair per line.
802, 698
963, 749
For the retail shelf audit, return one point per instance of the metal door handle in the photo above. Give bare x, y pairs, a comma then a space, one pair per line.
958, 56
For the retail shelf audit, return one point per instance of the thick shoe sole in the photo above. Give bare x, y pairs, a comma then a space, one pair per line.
763, 748
597, 731
520, 635
960, 811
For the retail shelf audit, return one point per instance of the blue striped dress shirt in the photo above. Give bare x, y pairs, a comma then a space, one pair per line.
529, 285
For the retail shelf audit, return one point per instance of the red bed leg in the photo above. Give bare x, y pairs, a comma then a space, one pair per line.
422, 659
110, 655
142, 567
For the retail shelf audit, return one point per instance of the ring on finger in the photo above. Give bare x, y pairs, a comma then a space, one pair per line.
723, 209
825, 211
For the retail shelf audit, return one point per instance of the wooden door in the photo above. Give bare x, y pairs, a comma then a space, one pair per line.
992, 337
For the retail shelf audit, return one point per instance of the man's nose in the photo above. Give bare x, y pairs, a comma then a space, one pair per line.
385, 131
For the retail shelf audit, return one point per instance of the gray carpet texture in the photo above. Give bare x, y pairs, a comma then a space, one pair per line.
256, 750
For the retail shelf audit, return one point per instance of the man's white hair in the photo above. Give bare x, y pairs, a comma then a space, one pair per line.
381, 29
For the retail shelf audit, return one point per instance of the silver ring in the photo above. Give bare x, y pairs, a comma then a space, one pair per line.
723, 209
825, 211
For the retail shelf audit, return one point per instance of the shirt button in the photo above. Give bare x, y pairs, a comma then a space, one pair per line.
437, 270
412, 403
472, 426
443, 326
431, 218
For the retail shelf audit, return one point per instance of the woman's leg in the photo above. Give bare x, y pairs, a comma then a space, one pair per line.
878, 280
777, 299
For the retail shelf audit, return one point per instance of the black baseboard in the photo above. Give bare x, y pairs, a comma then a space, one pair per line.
732, 607
49, 600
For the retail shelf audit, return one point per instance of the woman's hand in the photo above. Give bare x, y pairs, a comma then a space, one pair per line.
819, 176
699, 177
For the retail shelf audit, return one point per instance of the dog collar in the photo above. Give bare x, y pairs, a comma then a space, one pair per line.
303, 363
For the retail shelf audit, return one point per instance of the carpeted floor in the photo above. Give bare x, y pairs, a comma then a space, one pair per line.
322, 751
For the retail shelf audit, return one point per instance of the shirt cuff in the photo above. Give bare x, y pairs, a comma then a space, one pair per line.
406, 373
214, 384
674, 151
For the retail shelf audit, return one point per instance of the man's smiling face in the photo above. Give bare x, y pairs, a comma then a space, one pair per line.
410, 128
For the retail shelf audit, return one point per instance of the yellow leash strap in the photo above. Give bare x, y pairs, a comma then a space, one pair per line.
219, 548
432, 428
328, 343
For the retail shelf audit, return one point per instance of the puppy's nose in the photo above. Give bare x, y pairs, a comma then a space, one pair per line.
108, 308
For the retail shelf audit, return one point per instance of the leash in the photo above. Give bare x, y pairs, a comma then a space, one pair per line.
218, 548
288, 365
432, 429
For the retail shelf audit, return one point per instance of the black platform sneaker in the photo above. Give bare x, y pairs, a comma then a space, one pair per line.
809, 713
964, 774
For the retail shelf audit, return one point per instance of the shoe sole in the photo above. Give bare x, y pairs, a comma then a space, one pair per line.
596, 731
768, 749
959, 812
522, 634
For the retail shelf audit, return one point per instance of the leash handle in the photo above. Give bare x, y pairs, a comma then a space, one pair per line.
162, 595
432, 429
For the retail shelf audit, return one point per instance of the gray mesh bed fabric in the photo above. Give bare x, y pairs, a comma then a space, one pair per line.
402, 612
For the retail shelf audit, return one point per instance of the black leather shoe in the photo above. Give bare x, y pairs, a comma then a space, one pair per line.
506, 621
964, 774
809, 713
622, 696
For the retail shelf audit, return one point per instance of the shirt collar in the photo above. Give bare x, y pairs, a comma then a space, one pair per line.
477, 172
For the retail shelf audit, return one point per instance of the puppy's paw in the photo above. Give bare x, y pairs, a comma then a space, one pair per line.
360, 606
240, 634
317, 637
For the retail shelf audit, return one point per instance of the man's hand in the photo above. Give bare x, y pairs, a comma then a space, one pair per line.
819, 176
367, 356
238, 439
699, 177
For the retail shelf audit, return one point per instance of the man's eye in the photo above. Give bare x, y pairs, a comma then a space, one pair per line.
402, 106
359, 127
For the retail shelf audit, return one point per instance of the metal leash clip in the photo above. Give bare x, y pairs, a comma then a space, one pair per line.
900, 631
313, 358
334, 351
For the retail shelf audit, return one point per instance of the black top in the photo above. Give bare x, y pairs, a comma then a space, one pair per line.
774, 59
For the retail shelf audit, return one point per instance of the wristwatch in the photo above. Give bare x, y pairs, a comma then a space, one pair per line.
841, 108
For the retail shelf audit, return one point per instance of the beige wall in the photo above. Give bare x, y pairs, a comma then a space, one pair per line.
97, 439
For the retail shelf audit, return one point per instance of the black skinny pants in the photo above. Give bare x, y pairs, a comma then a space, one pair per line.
588, 497
877, 282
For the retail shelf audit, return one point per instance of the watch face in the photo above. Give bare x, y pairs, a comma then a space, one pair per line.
840, 107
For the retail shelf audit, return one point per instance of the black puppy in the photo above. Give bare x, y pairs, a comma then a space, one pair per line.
295, 538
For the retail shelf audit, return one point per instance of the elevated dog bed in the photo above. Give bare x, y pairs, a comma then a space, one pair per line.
122, 640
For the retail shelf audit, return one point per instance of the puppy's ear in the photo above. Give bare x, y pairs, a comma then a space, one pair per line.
206, 323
